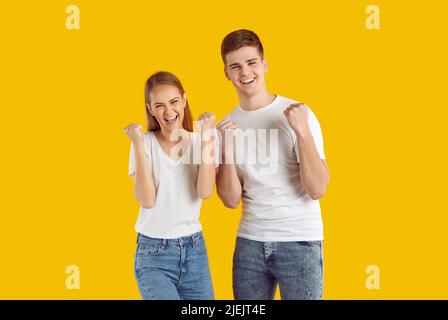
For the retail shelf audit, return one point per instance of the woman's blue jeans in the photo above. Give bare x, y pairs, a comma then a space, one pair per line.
173, 269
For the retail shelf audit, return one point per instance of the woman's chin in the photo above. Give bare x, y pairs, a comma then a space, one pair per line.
172, 127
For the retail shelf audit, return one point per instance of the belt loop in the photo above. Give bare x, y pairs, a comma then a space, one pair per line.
194, 240
163, 243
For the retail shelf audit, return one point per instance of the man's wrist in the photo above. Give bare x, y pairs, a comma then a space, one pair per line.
303, 133
228, 155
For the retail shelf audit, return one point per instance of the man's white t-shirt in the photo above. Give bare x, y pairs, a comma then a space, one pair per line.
275, 205
177, 206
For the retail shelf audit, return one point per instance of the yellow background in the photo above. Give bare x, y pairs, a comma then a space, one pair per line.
66, 95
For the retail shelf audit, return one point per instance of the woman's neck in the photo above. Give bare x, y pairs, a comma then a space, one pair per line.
166, 136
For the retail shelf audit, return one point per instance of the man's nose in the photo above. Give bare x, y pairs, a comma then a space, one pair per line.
244, 70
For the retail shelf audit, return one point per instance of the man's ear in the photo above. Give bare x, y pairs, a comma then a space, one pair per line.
226, 74
265, 65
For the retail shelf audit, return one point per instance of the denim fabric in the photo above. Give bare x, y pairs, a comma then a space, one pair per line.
173, 269
296, 267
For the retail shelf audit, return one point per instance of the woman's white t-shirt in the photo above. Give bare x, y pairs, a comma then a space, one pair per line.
177, 205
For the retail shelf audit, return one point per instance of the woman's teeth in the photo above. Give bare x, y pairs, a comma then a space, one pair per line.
171, 120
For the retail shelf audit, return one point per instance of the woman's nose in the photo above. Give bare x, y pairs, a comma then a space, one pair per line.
168, 109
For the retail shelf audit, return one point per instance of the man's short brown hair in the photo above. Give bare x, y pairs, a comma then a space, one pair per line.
238, 39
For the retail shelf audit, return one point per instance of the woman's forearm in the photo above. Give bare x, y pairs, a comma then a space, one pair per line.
206, 175
144, 188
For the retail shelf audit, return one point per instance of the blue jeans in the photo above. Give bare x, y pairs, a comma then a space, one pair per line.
173, 269
296, 267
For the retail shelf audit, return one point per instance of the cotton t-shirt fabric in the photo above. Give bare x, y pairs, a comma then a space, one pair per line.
177, 206
275, 204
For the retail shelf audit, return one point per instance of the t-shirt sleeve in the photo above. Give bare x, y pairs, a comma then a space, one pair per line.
131, 170
316, 132
217, 147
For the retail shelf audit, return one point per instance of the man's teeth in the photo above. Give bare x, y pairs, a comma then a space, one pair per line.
248, 81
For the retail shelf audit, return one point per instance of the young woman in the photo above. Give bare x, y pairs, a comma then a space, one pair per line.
169, 182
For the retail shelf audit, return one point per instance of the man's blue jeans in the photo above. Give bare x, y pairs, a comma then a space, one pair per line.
258, 267
173, 269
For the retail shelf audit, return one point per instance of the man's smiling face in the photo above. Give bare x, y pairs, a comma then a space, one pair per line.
246, 68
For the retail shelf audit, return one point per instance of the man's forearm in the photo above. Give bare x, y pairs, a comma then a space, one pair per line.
313, 173
227, 182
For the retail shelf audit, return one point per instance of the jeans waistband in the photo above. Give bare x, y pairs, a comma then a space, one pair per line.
193, 239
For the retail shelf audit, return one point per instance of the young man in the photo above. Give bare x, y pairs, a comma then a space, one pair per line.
280, 233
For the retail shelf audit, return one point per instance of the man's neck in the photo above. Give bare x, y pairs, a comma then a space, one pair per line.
260, 100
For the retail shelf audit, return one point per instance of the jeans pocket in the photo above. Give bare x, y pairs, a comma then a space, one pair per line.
201, 247
145, 248
311, 243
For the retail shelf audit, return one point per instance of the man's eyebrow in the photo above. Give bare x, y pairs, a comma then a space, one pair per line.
253, 59
248, 61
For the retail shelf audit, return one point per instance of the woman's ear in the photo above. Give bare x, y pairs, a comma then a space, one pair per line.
185, 99
149, 108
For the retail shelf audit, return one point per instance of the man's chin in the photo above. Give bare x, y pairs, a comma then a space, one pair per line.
248, 93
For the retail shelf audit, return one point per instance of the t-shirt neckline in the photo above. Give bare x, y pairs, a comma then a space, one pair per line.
166, 156
262, 109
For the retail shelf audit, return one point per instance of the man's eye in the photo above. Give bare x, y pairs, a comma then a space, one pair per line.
158, 106
234, 67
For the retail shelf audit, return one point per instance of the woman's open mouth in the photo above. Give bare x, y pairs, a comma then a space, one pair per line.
171, 120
